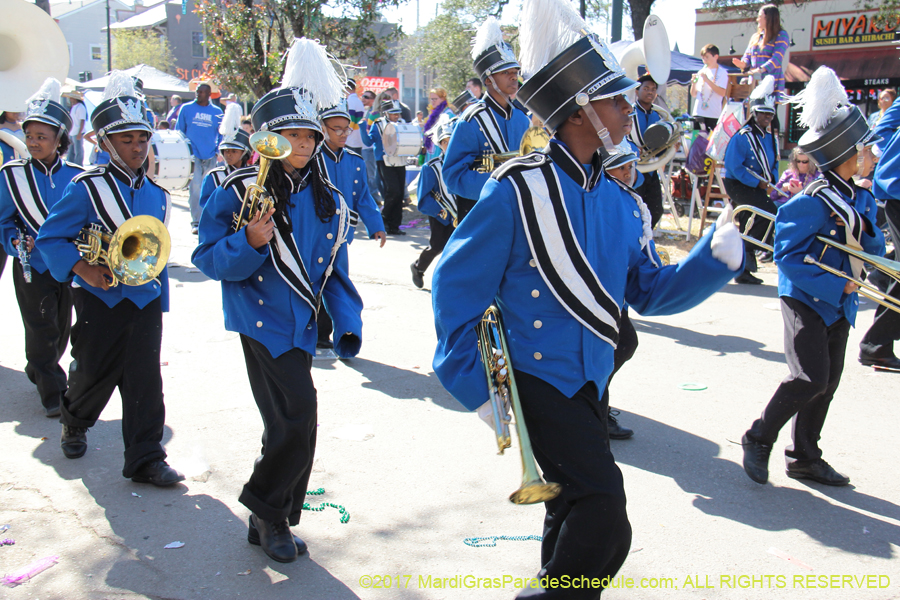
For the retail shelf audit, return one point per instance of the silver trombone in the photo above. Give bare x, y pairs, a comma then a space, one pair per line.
889, 267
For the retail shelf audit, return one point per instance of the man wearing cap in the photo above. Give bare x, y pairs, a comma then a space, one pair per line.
559, 247
29, 189
199, 122
489, 126
643, 117
391, 169
818, 307
117, 336
751, 168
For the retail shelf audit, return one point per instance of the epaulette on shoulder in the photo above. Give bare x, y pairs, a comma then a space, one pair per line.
239, 175
521, 163
17, 162
95, 171
435, 159
816, 187
74, 166
472, 110
353, 153
745, 129
156, 184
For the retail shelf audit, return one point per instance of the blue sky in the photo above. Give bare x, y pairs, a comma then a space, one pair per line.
677, 15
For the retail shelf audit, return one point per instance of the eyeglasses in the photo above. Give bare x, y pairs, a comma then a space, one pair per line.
803, 162
341, 131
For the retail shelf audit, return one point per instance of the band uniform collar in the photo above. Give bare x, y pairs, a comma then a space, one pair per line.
561, 157
51, 170
638, 106
333, 155
119, 173
506, 113
843, 187
299, 179
755, 128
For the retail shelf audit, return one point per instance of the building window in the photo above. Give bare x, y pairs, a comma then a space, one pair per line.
198, 48
96, 52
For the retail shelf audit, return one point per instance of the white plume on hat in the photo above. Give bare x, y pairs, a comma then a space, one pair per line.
309, 67
50, 90
765, 88
488, 34
231, 121
546, 28
823, 95
120, 83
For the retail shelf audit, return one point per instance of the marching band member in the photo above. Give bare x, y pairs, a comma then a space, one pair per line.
274, 272
393, 178
818, 307
877, 346
751, 167
234, 149
29, 188
492, 125
347, 171
567, 247
643, 117
435, 201
118, 331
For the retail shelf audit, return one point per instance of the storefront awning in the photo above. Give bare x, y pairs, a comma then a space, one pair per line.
879, 67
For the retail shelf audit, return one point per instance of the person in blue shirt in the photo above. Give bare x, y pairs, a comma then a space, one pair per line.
644, 115
751, 168
492, 125
436, 202
817, 306
117, 335
29, 188
274, 271
234, 149
559, 247
346, 169
199, 122
876, 349
391, 169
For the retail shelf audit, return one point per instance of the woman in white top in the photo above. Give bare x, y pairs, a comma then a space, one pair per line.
708, 87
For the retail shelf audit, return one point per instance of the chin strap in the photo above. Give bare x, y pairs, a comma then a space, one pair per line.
115, 156
497, 89
602, 132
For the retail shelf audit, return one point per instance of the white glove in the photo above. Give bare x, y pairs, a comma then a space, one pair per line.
727, 246
486, 414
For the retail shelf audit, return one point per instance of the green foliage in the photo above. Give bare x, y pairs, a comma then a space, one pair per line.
742, 8
888, 16
246, 39
132, 47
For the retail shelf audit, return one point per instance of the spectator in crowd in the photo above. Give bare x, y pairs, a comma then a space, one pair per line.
9, 122
420, 118
800, 173
199, 122
437, 105
405, 113
368, 151
475, 86
357, 110
175, 102
163, 124
708, 87
765, 52
79, 115
247, 125
886, 97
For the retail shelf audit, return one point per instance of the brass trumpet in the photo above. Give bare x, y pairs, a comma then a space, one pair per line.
503, 391
755, 212
136, 253
535, 138
270, 146
889, 267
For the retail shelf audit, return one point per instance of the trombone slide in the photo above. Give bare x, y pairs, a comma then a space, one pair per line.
754, 212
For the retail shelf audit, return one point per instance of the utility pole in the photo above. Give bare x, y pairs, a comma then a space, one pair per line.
108, 41
418, 83
616, 33
583, 9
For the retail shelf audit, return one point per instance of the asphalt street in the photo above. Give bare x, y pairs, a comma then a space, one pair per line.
418, 475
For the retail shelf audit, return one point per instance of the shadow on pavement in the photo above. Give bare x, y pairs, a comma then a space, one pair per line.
743, 289
402, 384
723, 344
721, 488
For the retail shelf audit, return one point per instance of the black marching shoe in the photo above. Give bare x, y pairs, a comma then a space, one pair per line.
756, 459
748, 277
616, 431
891, 363
73, 441
417, 275
817, 470
52, 411
157, 472
275, 538
253, 538
324, 344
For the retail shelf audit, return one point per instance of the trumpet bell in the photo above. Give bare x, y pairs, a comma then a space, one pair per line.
139, 250
533, 492
270, 145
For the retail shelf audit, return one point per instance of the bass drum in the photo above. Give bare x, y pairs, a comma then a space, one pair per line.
174, 166
401, 140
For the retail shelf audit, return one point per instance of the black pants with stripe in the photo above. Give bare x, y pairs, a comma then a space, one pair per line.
625, 349
740, 195
46, 307
118, 347
815, 356
286, 397
586, 528
879, 339
393, 187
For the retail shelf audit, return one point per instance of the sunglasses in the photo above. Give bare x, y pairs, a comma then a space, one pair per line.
803, 162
